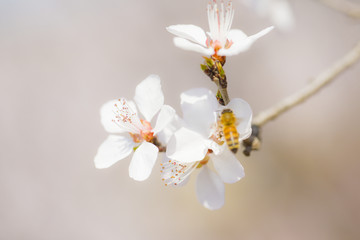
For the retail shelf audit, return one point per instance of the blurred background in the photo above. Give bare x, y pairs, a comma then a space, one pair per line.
61, 60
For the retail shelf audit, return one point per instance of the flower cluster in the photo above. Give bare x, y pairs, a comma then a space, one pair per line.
210, 131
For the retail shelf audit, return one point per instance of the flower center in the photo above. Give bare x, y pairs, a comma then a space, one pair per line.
174, 172
145, 134
205, 160
220, 20
217, 134
126, 118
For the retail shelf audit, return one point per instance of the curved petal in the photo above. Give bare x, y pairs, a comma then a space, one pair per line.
149, 97
216, 148
244, 44
165, 116
236, 35
190, 32
199, 106
243, 112
210, 190
228, 166
186, 146
143, 161
113, 149
190, 46
169, 130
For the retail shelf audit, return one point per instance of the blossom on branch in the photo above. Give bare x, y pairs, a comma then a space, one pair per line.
200, 140
221, 40
131, 133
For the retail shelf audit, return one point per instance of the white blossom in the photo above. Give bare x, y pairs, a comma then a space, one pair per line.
132, 133
221, 40
198, 141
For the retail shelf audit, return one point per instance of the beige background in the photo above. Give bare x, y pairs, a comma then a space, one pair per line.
61, 60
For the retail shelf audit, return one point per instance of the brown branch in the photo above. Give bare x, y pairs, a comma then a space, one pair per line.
349, 8
303, 94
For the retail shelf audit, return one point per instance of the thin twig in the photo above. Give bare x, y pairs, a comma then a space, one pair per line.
349, 8
320, 81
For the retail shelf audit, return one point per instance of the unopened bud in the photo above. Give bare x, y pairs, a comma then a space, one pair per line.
209, 62
220, 69
203, 67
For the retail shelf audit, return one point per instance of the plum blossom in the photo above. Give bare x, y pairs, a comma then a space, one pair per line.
132, 134
199, 141
278, 11
221, 40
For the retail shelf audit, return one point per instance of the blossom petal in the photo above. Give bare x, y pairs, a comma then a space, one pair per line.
165, 116
113, 149
149, 96
190, 32
216, 148
244, 44
169, 130
199, 106
143, 161
243, 112
190, 46
210, 190
186, 146
228, 166
236, 35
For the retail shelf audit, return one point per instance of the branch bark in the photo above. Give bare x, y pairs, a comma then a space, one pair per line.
303, 94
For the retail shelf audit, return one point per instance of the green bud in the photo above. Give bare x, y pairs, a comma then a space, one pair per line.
203, 67
209, 62
136, 148
218, 94
220, 69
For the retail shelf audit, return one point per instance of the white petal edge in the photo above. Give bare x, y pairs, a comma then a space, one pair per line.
149, 96
243, 112
143, 161
166, 115
216, 148
169, 130
190, 46
243, 45
210, 190
186, 146
199, 106
236, 35
189, 32
113, 149
228, 166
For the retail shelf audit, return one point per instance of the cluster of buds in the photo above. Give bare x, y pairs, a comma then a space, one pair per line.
213, 68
